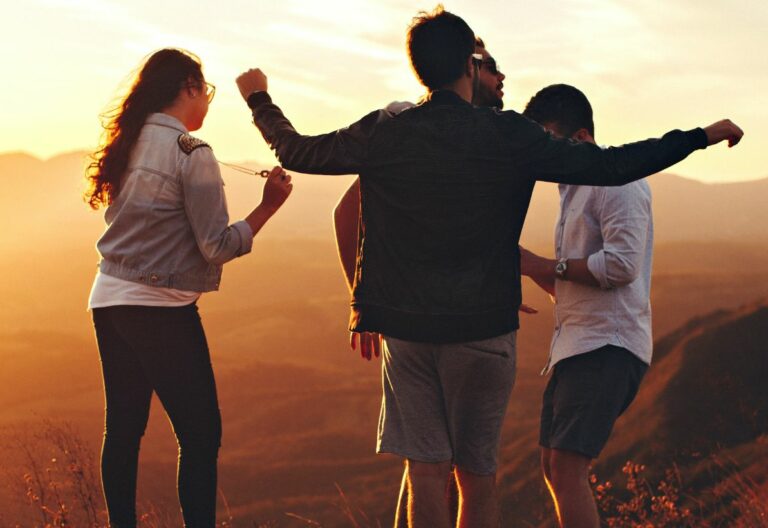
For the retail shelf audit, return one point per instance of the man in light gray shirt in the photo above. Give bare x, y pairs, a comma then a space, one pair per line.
601, 280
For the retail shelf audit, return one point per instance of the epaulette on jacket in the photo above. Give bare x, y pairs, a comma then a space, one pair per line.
189, 143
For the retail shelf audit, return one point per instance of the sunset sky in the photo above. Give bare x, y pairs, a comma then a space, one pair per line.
646, 66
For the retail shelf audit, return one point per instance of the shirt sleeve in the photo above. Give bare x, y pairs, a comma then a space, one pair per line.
543, 157
206, 208
340, 152
625, 225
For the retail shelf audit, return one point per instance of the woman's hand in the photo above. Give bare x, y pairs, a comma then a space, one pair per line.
276, 189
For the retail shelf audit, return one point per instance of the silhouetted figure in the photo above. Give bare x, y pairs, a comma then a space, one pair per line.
167, 237
601, 280
445, 187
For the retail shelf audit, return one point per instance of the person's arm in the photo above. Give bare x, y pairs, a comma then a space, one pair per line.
346, 224
546, 158
206, 208
340, 152
625, 218
542, 271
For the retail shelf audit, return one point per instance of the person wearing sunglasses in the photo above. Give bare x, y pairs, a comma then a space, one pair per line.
167, 237
488, 93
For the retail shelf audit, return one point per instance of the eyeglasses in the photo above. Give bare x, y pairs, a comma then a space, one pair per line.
210, 91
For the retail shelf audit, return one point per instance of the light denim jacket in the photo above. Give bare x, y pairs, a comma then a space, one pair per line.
169, 226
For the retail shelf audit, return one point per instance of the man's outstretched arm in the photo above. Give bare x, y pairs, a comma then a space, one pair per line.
545, 158
340, 152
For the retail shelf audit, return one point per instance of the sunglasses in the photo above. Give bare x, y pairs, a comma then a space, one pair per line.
490, 64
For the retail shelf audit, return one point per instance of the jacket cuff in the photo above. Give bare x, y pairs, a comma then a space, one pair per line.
258, 99
596, 266
697, 137
246, 236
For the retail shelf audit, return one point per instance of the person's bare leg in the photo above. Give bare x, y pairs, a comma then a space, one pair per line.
453, 498
401, 513
427, 494
570, 481
546, 454
478, 501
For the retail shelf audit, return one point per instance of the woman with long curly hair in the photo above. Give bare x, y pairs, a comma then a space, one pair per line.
167, 237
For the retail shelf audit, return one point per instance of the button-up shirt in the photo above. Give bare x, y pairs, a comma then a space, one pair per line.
613, 228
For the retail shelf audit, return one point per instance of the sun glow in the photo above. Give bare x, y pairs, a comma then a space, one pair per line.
646, 69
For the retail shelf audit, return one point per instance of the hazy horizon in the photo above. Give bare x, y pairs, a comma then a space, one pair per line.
647, 68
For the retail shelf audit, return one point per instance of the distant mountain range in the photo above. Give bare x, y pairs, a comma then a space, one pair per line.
684, 210
37, 192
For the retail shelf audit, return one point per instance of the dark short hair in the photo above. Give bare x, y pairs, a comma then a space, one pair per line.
439, 44
563, 106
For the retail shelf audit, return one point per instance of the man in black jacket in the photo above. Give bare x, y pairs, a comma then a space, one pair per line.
445, 187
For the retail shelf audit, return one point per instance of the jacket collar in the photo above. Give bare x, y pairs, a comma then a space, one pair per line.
165, 120
446, 97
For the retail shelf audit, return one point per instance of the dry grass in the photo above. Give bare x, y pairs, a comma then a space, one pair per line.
59, 487
735, 500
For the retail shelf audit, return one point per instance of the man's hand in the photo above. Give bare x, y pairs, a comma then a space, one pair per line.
251, 81
370, 343
722, 130
540, 269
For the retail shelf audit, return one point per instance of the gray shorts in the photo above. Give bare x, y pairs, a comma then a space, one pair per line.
446, 401
585, 396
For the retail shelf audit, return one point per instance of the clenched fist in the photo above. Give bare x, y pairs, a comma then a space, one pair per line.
722, 131
251, 81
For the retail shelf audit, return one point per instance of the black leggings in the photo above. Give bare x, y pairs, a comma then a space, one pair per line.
161, 349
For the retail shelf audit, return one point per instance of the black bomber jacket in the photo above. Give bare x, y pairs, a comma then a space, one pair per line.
445, 187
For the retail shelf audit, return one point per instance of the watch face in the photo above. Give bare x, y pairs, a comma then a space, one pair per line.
561, 267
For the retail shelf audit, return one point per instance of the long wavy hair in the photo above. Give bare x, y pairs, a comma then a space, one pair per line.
157, 85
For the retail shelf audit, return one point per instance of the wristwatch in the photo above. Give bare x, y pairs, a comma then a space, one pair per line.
561, 268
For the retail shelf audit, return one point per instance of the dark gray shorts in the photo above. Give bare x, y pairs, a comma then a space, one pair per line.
446, 402
585, 396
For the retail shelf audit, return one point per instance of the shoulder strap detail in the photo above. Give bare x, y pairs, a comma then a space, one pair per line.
189, 143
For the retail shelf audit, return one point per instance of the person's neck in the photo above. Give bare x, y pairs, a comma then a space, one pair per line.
177, 112
461, 87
